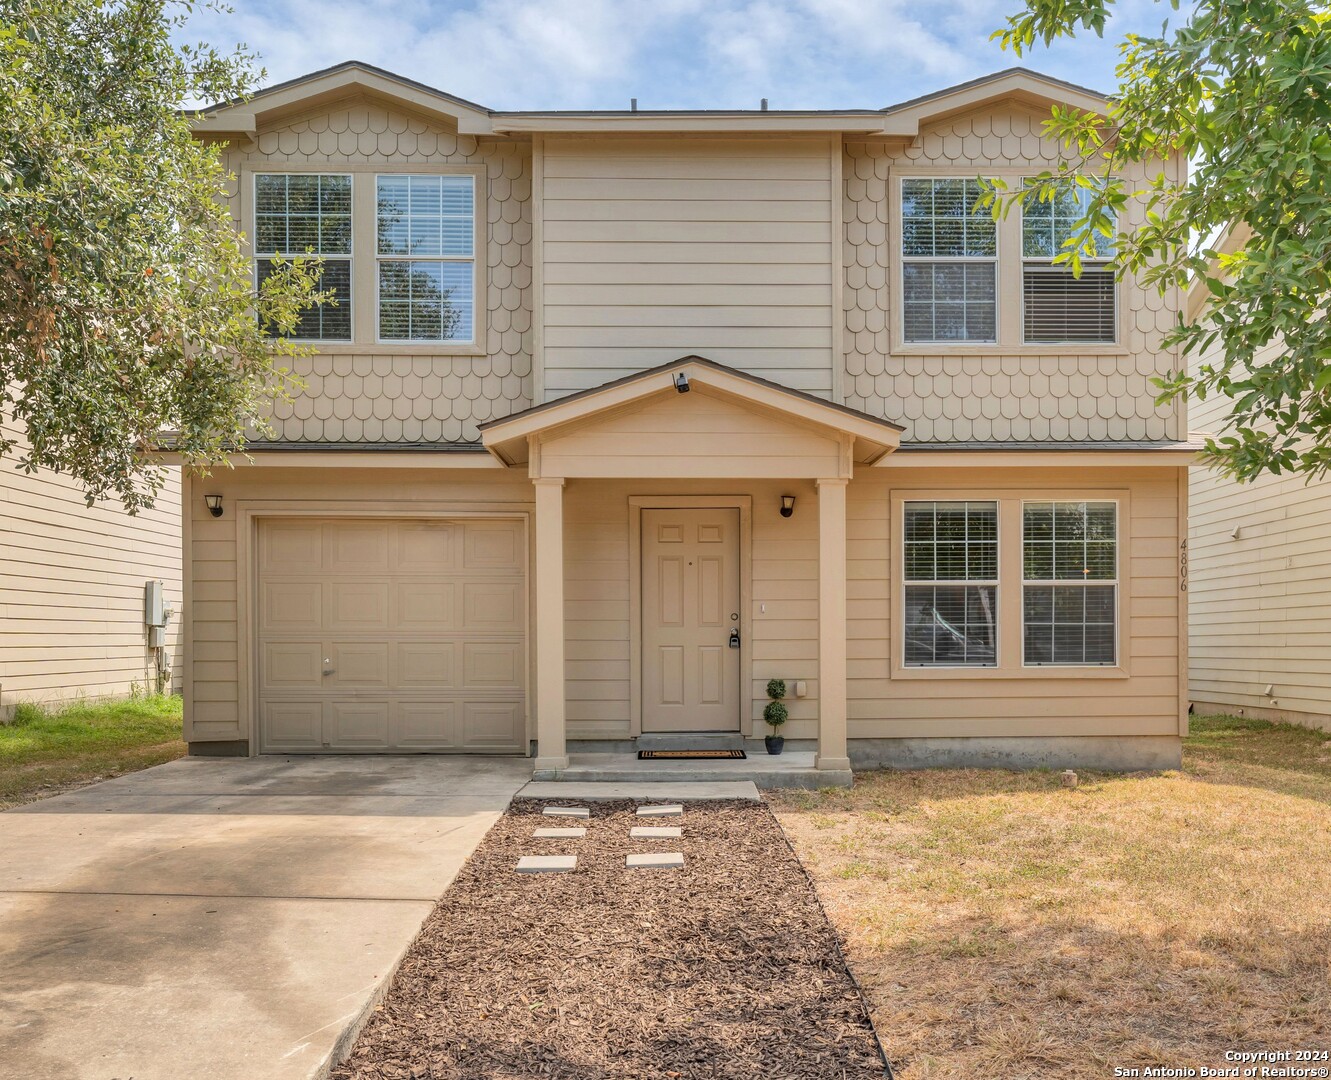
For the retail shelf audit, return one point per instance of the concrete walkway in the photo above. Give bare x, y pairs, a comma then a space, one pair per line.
227, 919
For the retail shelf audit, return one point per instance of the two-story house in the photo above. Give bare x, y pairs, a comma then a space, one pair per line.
622, 414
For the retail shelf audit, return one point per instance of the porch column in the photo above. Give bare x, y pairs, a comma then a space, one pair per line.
551, 752
832, 625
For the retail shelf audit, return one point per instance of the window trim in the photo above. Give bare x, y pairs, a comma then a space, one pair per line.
380, 258
363, 229
1116, 582
902, 259
349, 258
1010, 498
1093, 264
996, 582
1009, 330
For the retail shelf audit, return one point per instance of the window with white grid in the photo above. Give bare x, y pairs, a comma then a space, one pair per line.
1056, 306
950, 562
426, 256
949, 263
308, 214
1070, 583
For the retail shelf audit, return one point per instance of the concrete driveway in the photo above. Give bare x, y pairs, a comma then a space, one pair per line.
224, 919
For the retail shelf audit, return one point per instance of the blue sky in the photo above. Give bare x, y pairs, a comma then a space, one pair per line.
596, 54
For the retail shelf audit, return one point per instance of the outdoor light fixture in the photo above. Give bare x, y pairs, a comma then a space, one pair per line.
787, 505
682, 382
215, 505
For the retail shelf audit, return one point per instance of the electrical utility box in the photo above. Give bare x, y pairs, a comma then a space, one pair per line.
154, 604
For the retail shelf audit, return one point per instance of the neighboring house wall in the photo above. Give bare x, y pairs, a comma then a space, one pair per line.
368, 392
653, 249
71, 588
987, 393
1259, 609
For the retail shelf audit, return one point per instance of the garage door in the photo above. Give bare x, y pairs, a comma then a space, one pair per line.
391, 636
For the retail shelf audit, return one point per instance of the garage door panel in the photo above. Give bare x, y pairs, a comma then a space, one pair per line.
492, 606
426, 605
492, 545
291, 607
291, 665
357, 725
429, 547
421, 623
292, 725
359, 547
359, 664
491, 665
491, 725
360, 606
430, 665
291, 546
426, 725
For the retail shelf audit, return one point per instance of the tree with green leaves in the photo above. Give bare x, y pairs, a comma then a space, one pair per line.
1241, 89
127, 305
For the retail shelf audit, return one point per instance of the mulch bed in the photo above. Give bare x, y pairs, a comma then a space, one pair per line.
727, 968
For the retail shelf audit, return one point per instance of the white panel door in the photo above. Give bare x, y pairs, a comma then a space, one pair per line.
690, 608
385, 635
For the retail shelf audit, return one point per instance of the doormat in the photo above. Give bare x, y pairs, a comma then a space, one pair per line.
644, 755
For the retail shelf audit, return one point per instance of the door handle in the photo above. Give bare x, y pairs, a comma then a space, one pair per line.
328, 666
734, 637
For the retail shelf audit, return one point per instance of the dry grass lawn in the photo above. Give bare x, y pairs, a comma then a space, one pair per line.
1004, 926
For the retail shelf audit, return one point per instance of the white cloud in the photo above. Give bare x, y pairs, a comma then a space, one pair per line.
515, 54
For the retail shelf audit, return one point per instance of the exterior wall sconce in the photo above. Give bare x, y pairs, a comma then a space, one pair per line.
682, 381
787, 505
214, 503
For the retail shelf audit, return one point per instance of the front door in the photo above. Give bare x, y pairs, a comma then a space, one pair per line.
690, 620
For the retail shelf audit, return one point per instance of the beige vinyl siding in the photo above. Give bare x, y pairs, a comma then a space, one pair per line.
983, 392
216, 654
1259, 602
71, 587
1031, 702
656, 248
782, 605
597, 607
367, 392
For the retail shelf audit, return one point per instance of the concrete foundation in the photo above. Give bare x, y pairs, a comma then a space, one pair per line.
1127, 753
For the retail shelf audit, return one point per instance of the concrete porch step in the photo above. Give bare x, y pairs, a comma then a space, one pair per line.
686, 741
793, 769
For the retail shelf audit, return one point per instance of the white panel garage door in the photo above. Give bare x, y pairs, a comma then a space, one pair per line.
379, 635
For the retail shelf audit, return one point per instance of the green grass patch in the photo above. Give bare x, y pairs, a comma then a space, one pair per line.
48, 749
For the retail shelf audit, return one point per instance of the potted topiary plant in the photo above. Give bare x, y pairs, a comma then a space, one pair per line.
776, 714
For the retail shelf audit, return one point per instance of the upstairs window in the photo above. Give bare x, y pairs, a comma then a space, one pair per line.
426, 258
308, 214
1070, 591
949, 252
951, 587
1058, 307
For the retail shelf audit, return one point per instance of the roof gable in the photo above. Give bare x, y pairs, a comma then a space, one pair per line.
244, 118
867, 438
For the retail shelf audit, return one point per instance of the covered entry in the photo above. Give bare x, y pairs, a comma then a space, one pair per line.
720, 430
391, 635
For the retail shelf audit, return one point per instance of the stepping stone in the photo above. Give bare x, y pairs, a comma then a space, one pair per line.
546, 864
672, 810
656, 832
566, 811
665, 860
559, 834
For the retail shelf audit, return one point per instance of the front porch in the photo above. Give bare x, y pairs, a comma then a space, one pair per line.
635, 483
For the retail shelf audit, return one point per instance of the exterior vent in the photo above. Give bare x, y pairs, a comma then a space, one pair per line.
1060, 308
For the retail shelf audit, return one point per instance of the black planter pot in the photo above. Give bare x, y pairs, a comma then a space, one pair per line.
775, 743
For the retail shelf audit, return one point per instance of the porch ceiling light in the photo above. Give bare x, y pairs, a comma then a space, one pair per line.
787, 505
214, 503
